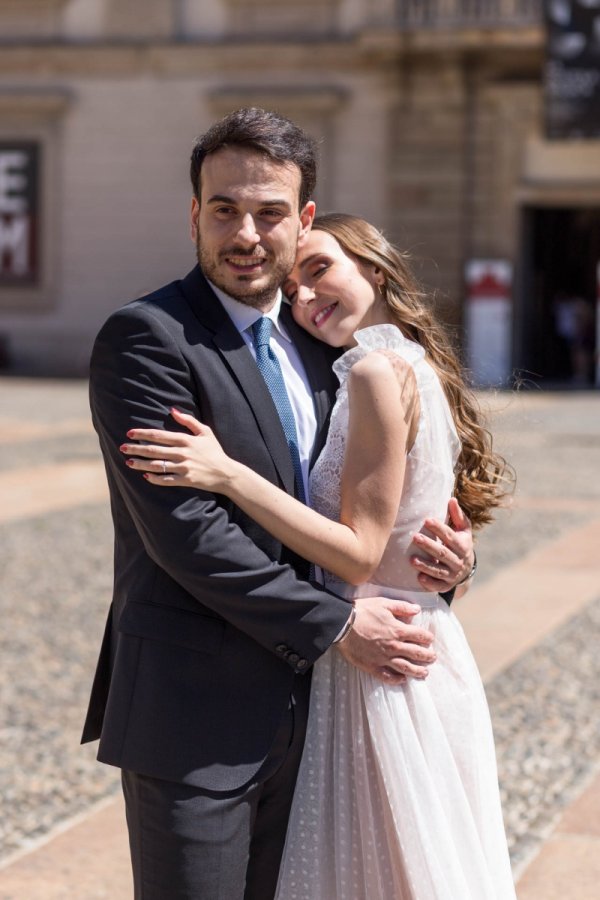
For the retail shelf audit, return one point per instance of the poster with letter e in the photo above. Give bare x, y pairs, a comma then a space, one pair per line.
488, 321
19, 213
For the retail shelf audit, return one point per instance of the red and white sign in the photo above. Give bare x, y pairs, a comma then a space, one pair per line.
489, 320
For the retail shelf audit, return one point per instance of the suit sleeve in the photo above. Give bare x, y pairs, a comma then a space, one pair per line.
137, 373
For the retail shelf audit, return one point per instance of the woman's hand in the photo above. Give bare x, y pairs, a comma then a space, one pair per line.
446, 558
174, 459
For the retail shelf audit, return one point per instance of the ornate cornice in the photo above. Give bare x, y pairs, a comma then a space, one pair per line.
370, 48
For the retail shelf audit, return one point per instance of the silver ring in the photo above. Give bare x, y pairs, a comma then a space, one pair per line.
164, 465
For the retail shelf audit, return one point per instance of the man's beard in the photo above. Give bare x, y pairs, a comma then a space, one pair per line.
246, 292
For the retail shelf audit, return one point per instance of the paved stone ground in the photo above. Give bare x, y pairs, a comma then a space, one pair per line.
545, 714
55, 574
544, 707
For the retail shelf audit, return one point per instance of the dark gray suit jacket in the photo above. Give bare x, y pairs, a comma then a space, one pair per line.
211, 617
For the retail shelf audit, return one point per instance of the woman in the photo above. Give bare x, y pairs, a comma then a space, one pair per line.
397, 794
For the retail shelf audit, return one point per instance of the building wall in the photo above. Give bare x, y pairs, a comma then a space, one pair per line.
115, 95
427, 174
426, 131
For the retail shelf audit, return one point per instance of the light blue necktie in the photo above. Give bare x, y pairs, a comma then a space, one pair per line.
269, 368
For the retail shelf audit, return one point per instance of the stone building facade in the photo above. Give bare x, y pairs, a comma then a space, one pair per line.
430, 116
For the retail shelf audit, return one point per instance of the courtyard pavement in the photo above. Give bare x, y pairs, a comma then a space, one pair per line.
532, 617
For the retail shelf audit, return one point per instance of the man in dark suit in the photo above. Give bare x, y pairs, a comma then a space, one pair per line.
201, 691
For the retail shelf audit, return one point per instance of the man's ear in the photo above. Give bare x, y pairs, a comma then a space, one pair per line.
307, 215
194, 215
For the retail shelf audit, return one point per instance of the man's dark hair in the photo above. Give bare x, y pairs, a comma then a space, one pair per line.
264, 132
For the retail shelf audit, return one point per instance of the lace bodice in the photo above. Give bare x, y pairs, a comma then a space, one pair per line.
429, 477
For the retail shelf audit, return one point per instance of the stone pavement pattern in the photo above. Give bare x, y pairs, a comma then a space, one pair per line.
533, 620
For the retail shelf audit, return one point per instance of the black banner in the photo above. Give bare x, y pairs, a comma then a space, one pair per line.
19, 202
572, 71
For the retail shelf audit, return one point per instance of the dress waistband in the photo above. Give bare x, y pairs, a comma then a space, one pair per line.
352, 592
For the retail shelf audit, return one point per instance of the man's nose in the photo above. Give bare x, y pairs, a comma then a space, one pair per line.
304, 295
247, 232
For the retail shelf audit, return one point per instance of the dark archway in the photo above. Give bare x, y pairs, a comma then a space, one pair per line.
556, 319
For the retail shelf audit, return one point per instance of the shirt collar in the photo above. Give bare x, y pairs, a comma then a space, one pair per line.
244, 317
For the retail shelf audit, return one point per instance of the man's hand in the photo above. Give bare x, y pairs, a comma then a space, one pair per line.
446, 559
384, 643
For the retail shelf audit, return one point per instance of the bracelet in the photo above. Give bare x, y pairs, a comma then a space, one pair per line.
471, 573
347, 626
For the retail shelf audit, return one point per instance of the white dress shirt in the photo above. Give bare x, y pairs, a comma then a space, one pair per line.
292, 369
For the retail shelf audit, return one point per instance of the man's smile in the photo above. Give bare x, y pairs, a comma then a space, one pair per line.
245, 263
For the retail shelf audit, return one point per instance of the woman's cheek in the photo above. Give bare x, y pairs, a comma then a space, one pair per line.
301, 317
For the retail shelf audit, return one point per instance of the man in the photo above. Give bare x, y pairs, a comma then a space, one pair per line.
201, 691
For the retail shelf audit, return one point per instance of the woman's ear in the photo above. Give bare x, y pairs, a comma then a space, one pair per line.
378, 276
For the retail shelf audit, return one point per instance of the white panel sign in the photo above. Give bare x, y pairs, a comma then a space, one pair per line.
489, 320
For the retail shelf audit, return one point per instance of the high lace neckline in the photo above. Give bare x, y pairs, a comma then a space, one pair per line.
377, 337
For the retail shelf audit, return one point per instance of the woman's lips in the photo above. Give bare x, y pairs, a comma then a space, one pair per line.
323, 314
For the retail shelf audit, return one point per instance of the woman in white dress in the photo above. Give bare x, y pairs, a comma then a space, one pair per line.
397, 796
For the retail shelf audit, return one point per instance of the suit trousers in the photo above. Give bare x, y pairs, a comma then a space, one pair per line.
192, 844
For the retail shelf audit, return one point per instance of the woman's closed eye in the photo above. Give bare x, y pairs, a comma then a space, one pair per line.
319, 270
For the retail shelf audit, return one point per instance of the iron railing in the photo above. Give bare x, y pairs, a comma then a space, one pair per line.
442, 14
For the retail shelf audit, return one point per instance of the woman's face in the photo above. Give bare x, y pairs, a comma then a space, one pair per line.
332, 294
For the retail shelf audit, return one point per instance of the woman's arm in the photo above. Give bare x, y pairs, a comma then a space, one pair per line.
383, 401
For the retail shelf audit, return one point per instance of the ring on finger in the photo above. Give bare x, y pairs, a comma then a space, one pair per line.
164, 466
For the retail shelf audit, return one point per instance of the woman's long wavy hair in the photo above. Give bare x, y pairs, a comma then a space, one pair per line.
482, 475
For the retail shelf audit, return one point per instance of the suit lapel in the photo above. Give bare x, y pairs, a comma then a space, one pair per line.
238, 358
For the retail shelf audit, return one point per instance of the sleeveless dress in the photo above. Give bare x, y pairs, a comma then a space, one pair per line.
397, 795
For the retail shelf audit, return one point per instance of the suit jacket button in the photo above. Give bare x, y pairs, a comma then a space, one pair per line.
302, 664
280, 648
293, 658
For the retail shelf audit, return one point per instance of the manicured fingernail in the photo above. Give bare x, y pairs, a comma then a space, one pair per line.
123, 448
130, 433
146, 476
129, 462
